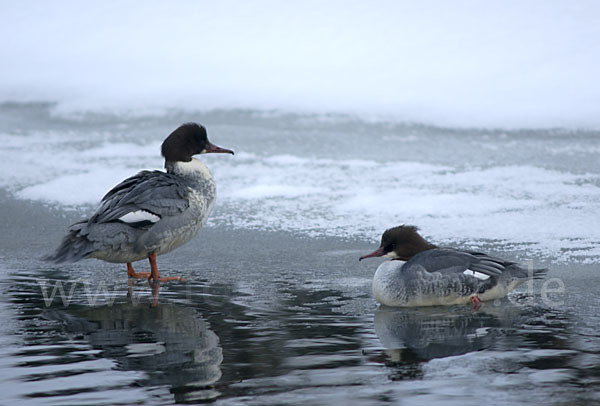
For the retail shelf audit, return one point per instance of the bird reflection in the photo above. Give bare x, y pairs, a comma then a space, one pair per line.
171, 343
422, 334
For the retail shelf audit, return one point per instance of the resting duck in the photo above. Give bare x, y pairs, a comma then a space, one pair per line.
422, 274
150, 213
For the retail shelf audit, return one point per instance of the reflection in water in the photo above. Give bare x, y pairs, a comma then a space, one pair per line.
422, 334
171, 343
284, 343
278, 336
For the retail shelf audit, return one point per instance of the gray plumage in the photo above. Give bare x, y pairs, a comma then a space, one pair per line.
440, 276
154, 191
182, 204
152, 212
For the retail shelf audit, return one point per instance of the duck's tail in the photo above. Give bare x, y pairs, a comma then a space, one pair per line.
74, 247
528, 273
539, 273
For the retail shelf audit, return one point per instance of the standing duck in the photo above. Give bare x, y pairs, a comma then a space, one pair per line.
422, 274
150, 213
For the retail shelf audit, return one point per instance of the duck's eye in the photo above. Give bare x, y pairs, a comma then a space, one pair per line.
389, 248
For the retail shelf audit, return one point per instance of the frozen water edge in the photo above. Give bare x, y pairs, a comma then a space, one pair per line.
536, 192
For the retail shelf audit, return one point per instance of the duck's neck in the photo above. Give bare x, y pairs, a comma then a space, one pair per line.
194, 170
407, 251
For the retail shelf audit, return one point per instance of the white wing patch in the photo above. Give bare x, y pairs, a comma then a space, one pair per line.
478, 275
139, 216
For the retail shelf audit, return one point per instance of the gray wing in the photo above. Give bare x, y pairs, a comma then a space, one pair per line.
448, 261
156, 192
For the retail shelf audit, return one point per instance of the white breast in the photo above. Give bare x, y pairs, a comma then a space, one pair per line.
384, 282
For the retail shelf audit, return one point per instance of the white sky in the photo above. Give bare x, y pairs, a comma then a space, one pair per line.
466, 63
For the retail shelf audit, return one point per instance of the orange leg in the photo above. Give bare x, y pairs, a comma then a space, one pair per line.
154, 271
155, 288
132, 274
476, 302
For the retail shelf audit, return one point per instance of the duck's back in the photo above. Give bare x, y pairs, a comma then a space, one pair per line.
152, 211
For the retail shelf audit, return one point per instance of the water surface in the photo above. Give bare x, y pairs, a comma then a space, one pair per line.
276, 308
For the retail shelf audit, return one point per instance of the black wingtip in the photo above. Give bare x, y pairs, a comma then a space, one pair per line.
540, 273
